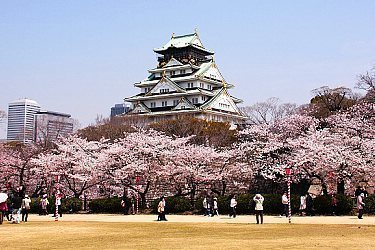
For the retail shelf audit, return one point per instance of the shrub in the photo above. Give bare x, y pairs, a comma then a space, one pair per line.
272, 204
245, 204
345, 204
106, 205
73, 204
370, 204
177, 204
222, 203
322, 205
174, 204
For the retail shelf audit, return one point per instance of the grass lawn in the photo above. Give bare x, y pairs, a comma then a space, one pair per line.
166, 235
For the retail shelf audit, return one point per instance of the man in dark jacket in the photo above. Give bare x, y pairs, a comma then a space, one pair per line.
309, 205
16, 204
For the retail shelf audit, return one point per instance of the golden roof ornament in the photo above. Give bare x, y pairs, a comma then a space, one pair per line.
213, 61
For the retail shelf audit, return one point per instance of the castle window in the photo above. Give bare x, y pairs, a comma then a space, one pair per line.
173, 73
190, 84
223, 105
195, 100
201, 85
175, 102
164, 90
164, 103
182, 71
153, 104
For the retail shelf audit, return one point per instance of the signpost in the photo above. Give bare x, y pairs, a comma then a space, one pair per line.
288, 173
137, 182
57, 194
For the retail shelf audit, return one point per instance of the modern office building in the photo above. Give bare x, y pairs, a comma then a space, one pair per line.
185, 81
50, 125
21, 120
120, 109
27, 123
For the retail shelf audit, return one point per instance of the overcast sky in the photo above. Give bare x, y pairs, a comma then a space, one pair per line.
82, 57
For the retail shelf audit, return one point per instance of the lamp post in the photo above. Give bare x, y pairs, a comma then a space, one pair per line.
288, 173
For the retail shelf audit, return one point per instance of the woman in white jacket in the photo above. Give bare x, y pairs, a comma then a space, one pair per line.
258, 199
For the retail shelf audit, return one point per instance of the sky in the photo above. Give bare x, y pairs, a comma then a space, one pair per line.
82, 57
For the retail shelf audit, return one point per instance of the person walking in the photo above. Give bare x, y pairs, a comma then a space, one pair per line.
58, 204
132, 205
25, 207
284, 201
333, 204
360, 205
302, 206
233, 207
17, 204
3, 206
258, 199
161, 210
3, 211
124, 205
309, 205
215, 208
205, 206
44, 203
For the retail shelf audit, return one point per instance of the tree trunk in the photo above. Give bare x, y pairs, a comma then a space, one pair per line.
192, 195
224, 188
340, 187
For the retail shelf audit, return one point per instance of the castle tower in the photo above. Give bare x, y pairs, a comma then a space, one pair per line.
185, 81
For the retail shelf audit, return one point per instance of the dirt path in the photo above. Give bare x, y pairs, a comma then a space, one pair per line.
351, 220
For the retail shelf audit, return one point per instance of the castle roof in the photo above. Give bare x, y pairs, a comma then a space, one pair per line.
184, 41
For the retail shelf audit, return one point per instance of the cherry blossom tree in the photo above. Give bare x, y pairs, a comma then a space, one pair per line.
139, 161
76, 162
16, 165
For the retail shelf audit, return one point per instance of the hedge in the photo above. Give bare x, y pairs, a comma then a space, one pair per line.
106, 205
245, 205
70, 205
322, 205
272, 205
174, 204
370, 204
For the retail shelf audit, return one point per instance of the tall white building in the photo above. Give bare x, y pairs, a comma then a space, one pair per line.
49, 126
185, 81
21, 120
